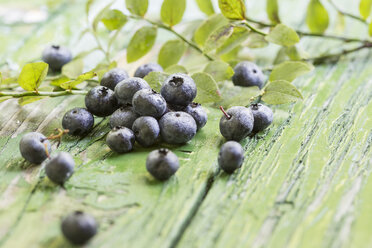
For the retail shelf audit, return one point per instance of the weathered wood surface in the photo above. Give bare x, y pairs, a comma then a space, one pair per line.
305, 182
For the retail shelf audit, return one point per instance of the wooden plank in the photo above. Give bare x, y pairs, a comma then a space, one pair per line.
305, 181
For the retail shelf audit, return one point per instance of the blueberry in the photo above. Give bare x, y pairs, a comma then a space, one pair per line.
145, 69
248, 74
78, 121
198, 113
101, 101
236, 123
146, 129
124, 117
79, 227
126, 89
60, 167
179, 89
162, 164
177, 127
56, 57
147, 102
120, 139
33, 147
263, 117
111, 78
231, 156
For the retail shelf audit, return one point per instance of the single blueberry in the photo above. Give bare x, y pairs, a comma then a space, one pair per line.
56, 57
147, 102
236, 123
198, 113
147, 130
162, 164
78, 121
263, 117
120, 139
34, 147
177, 127
60, 168
101, 101
124, 117
231, 156
111, 78
248, 74
145, 69
126, 89
79, 227
179, 89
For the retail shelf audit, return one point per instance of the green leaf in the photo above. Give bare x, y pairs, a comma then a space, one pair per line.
156, 79
57, 82
240, 96
289, 70
141, 43
206, 6
176, 69
207, 88
29, 99
32, 75
317, 18
102, 68
272, 10
137, 7
280, 92
365, 8
171, 52
73, 69
208, 26
293, 53
114, 19
87, 6
370, 29
4, 98
100, 14
71, 84
232, 55
283, 35
255, 40
172, 11
232, 9
219, 70
239, 35
218, 38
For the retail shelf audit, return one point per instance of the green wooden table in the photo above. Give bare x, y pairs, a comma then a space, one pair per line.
305, 182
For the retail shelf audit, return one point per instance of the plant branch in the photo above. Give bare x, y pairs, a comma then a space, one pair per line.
246, 23
302, 33
323, 58
43, 93
169, 29
347, 14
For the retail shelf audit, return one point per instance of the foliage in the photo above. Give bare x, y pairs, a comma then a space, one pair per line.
219, 39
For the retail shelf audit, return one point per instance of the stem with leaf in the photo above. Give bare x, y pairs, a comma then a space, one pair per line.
169, 29
42, 93
347, 14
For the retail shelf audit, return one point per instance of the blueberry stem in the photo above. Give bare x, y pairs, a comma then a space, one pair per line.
58, 136
224, 112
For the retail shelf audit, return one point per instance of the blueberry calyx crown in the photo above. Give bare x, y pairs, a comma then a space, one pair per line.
163, 151
255, 106
117, 128
154, 91
104, 90
176, 81
56, 47
78, 212
195, 104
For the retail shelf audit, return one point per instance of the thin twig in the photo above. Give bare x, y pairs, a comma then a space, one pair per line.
246, 23
347, 14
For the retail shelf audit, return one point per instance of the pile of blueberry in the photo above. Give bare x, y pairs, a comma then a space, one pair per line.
138, 113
